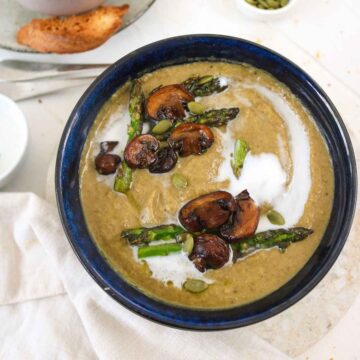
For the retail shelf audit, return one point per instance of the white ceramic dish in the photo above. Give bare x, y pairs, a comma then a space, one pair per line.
60, 7
264, 15
17, 16
14, 135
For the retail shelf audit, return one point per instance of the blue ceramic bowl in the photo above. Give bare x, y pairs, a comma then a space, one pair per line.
186, 49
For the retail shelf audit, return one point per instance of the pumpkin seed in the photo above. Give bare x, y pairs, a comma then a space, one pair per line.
275, 217
264, 4
161, 127
179, 181
273, 4
163, 144
188, 244
205, 79
196, 108
195, 285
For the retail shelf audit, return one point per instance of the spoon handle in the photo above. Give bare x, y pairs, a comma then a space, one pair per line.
19, 70
28, 89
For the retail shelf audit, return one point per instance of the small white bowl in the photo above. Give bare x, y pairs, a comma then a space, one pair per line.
14, 136
263, 14
60, 7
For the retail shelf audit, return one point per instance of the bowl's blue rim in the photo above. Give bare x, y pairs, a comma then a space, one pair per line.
158, 318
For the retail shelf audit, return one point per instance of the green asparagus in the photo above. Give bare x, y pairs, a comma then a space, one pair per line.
203, 85
145, 235
123, 177
136, 110
240, 151
158, 250
214, 118
281, 238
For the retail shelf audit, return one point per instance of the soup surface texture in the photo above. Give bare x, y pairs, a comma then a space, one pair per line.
288, 168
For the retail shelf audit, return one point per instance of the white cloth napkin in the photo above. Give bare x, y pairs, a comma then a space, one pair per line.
51, 308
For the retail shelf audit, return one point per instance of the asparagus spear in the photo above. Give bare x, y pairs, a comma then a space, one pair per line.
136, 110
203, 85
145, 235
123, 177
214, 118
158, 250
240, 151
281, 238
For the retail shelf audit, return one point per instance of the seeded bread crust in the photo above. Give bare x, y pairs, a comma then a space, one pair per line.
72, 34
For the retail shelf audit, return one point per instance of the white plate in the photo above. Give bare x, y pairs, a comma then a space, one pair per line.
17, 16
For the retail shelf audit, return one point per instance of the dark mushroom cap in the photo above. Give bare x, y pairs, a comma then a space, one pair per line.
166, 159
107, 146
167, 102
245, 220
210, 251
141, 151
106, 164
191, 139
208, 211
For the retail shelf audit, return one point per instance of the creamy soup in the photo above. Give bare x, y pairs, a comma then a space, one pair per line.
288, 168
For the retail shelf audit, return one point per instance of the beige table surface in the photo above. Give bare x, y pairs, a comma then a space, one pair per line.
322, 36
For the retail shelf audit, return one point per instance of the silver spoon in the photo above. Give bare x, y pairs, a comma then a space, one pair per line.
28, 89
19, 70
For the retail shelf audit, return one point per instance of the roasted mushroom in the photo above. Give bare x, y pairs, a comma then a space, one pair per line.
106, 164
167, 102
210, 251
141, 151
107, 146
208, 211
191, 139
166, 159
244, 222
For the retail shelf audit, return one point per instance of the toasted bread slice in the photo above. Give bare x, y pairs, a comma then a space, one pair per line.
74, 33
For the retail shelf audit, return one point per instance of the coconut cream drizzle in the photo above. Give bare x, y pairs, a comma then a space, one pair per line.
176, 268
263, 175
114, 130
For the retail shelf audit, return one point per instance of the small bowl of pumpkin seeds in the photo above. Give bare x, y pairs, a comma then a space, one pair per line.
265, 9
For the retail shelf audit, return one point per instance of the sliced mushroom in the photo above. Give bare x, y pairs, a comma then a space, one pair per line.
107, 146
166, 159
106, 164
167, 102
141, 151
191, 139
208, 211
210, 251
244, 221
